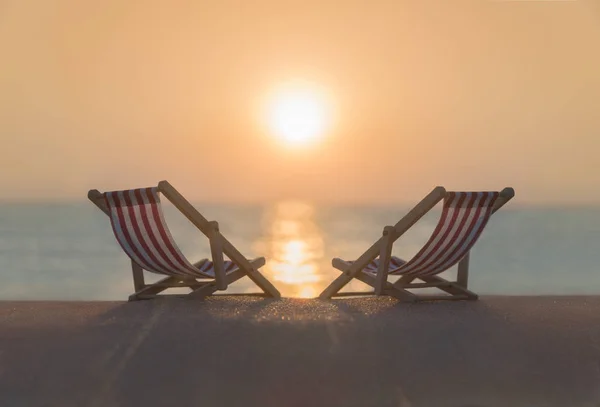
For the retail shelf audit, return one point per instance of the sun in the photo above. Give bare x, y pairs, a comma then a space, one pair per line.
298, 114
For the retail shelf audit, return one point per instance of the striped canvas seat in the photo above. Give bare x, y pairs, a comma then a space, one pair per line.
464, 216
139, 225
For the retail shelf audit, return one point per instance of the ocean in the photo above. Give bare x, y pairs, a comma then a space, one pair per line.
68, 252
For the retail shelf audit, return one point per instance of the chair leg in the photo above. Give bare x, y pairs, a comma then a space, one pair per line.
202, 292
403, 281
390, 289
138, 276
153, 289
335, 286
253, 274
211, 288
264, 284
462, 277
452, 288
252, 271
385, 254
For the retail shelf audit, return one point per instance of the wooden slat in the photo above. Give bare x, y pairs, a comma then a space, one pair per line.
228, 249
354, 294
152, 289
453, 289
138, 276
336, 285
340, 265
185, 207
404, 281
462, 275
427, 285
187, 296
262, 295
505, 195
252, 271
97, 199
385, 254
339, 283
216, 251
210, 288
412, 217
389, 289
155, 296
422, 298
203, 292
180, 284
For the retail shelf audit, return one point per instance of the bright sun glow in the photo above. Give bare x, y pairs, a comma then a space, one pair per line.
298, 114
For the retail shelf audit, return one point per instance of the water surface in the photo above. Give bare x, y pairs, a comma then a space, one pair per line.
68, 252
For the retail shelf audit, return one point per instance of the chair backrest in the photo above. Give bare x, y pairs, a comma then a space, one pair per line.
464, 216
139, 225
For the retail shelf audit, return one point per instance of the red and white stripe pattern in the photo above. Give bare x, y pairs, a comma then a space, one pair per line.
140, 228
464, 216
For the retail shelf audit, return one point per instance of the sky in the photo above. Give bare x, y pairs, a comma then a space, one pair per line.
471, 95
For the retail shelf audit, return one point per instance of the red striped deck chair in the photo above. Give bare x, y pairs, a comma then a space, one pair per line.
464, 216
139, 225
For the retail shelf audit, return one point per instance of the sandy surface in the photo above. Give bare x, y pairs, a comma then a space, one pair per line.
235, 351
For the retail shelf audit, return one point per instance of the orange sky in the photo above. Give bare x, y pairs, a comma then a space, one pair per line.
465, 94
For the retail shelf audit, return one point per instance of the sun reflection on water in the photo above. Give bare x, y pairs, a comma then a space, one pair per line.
293, 246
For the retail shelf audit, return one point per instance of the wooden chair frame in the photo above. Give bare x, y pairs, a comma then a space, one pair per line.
458, 289
219, 246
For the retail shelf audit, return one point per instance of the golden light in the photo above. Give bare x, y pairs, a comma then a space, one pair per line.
293, 265
299, 114
294, 246
308, 292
